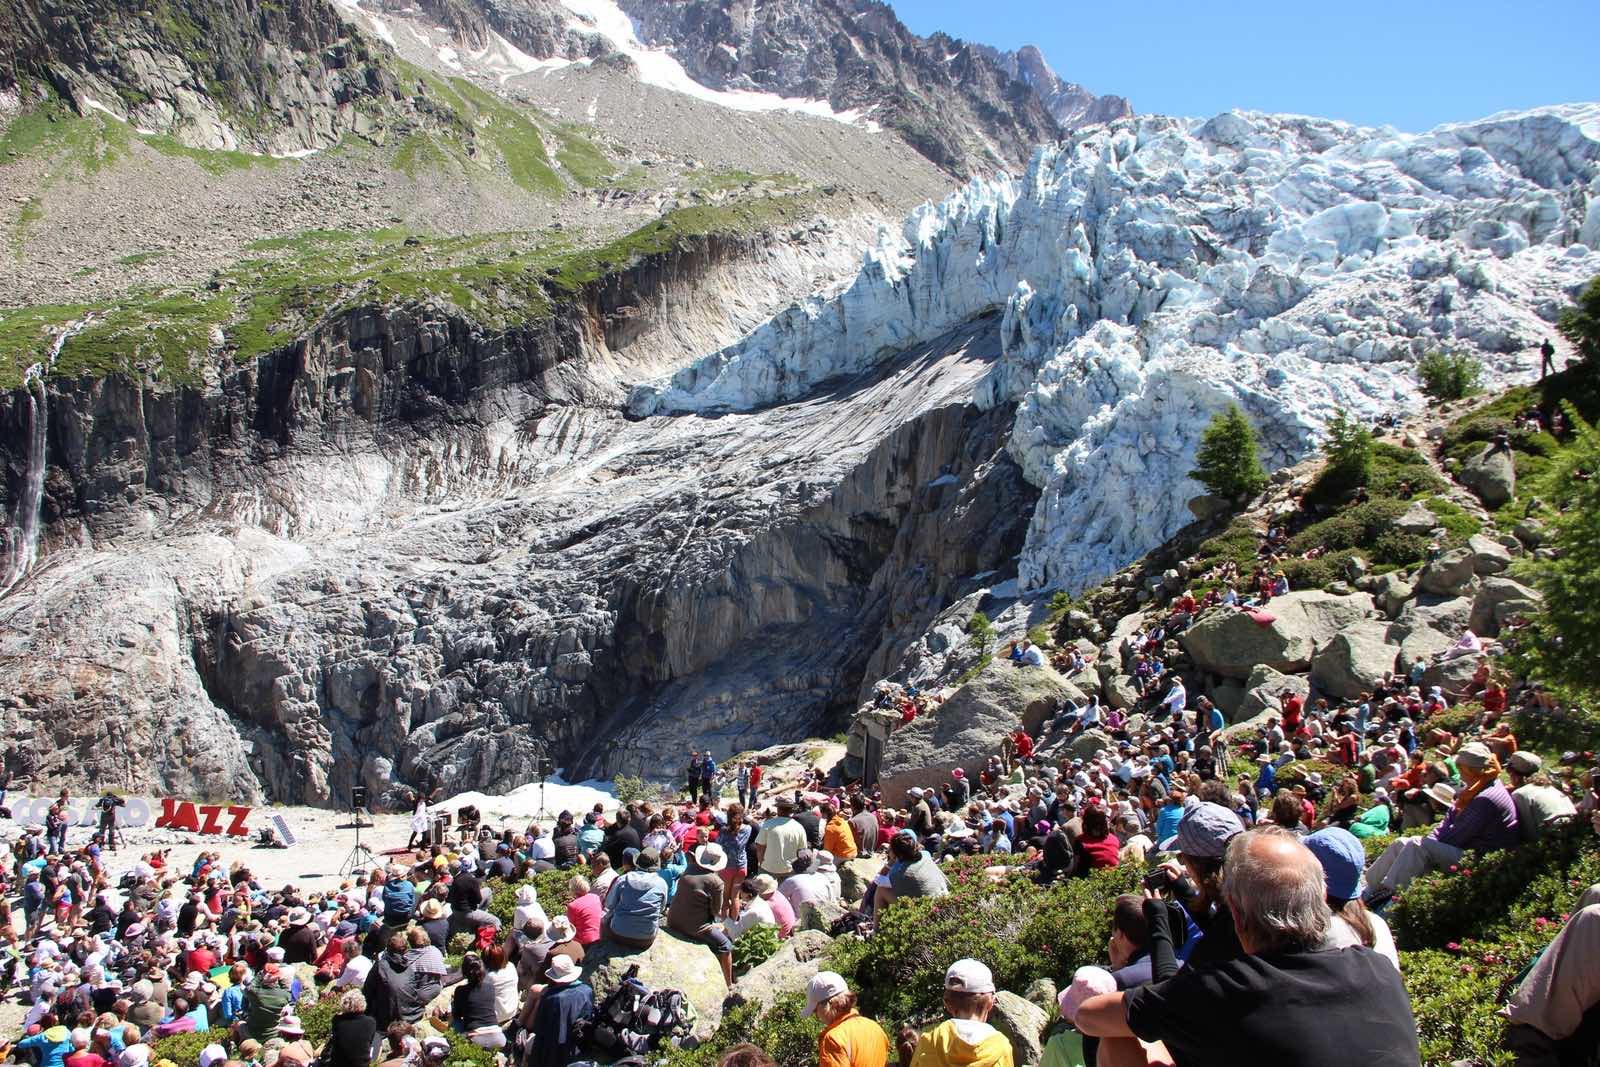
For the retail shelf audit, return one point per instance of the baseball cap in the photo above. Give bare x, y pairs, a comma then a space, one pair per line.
1525, 763
1343, 859
824, 986
1086, 982
1475, 756
1206, 829
969, 976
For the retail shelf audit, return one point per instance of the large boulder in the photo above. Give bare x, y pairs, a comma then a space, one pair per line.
855, 876
1421, 643
1499, 600
1492, 475
1391, 591
1233, 643
1450, 575
1445, 615
818, 915
1261, 691
1023, 1025
670, 963
1120, 692
1418, 519
1086, 744
1453, 676
968, 728
1354, 661
786, 971
1488, 555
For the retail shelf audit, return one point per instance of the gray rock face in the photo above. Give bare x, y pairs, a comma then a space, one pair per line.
1391, 592
1492, 475
1451, 575
1354, 661
1232, 644
1262, 689
1070, 104
409, 551
786, 971
1023, 1025
855, 876
283, 78
968, 728
948, 99
1418, 519
1499, 600
1488, 555
1444, 615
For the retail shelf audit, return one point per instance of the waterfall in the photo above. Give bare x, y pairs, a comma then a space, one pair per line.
21, 537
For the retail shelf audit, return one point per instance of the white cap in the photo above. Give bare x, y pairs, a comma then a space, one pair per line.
969, 976
212, 1054
823, 987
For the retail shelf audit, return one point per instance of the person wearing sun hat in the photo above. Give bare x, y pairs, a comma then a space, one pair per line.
1540, 805
848, 1039
1482, 817
965, 1039
1343, 861
297, 1051
566, 1002
696, 907
1066, 1048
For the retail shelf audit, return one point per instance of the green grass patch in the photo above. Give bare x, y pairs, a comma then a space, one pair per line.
419, 153
1456, 519
307, 241
139, 258
581, 157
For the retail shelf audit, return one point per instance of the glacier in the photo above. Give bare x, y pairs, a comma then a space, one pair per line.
1151, 272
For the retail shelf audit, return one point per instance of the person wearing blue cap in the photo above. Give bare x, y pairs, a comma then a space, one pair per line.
1344, 862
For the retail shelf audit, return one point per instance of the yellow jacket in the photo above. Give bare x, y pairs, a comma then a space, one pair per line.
963, 1043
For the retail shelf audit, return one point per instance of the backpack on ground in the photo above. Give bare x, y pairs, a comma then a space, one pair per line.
632, 1019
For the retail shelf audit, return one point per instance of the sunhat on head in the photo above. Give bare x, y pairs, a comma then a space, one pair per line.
1442, 792
562, 970
823, 987
710, 858
1343, 860
1086, 982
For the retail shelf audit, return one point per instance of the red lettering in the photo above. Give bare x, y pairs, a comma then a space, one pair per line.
185, 818
169, 811
212, 812
236, 828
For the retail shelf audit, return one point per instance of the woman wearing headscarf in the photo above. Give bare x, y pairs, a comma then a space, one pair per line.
1482, 818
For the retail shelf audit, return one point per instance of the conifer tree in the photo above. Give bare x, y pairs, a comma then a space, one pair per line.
1227, 463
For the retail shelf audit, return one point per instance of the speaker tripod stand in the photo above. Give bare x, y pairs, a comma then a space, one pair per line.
360, 856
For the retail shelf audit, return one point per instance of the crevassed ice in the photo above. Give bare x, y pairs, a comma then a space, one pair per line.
1151, 272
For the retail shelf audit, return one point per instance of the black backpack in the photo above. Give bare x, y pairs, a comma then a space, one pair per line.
632, 1019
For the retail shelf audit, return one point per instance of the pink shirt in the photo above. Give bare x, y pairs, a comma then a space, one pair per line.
584, 913
783, 912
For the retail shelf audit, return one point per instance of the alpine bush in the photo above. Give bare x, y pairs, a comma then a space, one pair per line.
1449, 376
754, 947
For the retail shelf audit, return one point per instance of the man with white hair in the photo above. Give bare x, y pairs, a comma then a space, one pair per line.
1284, 1001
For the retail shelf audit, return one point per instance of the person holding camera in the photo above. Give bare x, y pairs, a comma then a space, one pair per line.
109, 834
1194, 883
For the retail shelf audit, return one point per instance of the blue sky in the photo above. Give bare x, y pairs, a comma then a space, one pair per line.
1411, 64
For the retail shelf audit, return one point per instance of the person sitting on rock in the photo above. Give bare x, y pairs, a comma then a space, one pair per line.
754, 909
696, 908
1025, 653
1482, 818
636, 904
965, 1039
1540, 805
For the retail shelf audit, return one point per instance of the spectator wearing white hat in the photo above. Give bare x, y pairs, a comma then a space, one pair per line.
965, 1039
697, 906
848, 1038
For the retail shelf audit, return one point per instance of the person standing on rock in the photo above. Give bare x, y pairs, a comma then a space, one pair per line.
1547, 359
780, 840
693, 774
742, 781
848, 1038
420, 826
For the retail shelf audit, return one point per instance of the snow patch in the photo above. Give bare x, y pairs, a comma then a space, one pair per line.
657, 67
1152, 272
524, 802
505, 61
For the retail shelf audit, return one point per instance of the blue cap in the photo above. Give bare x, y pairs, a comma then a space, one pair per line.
1343, 860
1205, 830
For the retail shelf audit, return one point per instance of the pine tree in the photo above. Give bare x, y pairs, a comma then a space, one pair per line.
1227, 463
1349, 452
1568, 643
1580, 323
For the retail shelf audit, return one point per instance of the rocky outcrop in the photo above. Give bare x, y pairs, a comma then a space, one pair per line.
1354, 661
1284, 638
968, 728
952, 102
1023, 1025
786, 971
220, 74
1498, 601
1070, 104
1492, 474
672, 962
1451, 575
408, 551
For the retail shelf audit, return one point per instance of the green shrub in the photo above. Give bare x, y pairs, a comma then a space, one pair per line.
1396, 548
1455, 720
1574, 730
182, 1049
1040, 635
1449, 376
1488, 893
1021, 930
781, 1031
1238, 544
754, 947
1293, 774
1316, 573
1457, 520
1580, 323
1393, 464
1455, 999
629, 789
980, 630
1228, 462
1356, 527
318, 1019
554, 896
